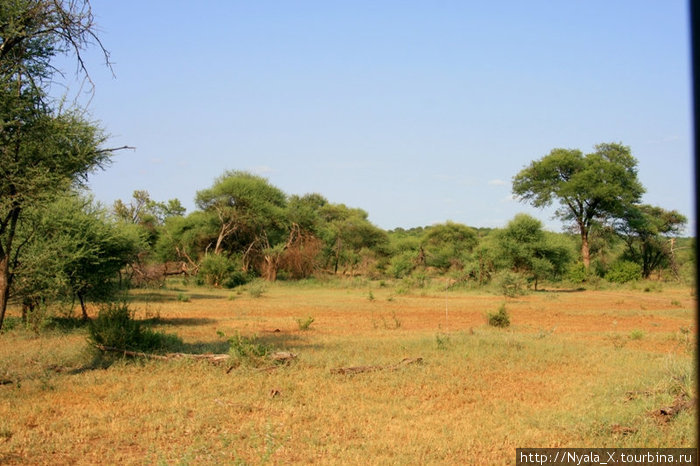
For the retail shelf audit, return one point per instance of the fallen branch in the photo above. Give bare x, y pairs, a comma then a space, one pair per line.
362, 369
214, 358
278, 357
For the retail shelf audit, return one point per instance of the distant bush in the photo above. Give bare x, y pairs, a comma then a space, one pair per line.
257, 289
115, 327
510, 284
218, 270
500, 319
623, 272
576, 273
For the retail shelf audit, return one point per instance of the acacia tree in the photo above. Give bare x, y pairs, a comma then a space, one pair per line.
648, 232
77, 251
591, 189
248, 211
42, 151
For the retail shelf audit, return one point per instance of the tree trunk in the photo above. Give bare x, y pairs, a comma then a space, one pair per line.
4, 286
82, 306
585, 249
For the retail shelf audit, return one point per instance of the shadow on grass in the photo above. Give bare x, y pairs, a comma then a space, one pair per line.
178, 321
561, 290
169, 296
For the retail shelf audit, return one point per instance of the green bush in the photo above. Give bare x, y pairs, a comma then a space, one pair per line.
115, 327
576, 273
623, 272
510, 284
248, 350
305, 324
402, 264
218, 270
500, 319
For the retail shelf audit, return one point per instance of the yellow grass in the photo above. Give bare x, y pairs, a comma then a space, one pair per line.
585, 368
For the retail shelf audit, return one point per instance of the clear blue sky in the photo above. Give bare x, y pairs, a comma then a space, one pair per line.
417, 112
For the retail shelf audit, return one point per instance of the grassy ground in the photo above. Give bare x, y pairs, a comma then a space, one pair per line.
575, 368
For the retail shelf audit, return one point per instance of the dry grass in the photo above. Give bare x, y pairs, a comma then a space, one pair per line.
574, 369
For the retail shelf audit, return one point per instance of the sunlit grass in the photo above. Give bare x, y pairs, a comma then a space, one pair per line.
556, 377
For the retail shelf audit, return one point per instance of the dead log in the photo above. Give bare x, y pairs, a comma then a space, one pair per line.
213, 358
363, 369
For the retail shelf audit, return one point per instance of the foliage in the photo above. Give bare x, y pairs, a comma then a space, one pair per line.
624, 271
648, 232
510, 284
72, 250
446, 245
525, 248
305, 324
500, 319
116, 327
43, 150
246, 209
248, 350
591, 189
219, 270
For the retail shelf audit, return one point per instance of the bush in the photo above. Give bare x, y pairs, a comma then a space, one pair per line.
577, 273
305, 324
115, 327
500, 319
248, 350
218, 270
623, 272
402, 264
510, 284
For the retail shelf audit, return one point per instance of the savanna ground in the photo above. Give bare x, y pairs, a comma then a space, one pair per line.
574, 369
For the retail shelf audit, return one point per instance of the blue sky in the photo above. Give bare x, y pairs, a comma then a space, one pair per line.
417, 112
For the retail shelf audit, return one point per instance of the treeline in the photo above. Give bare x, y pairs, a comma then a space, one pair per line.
244, 227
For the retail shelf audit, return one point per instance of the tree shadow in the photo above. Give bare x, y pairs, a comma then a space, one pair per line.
178, 321
560, 290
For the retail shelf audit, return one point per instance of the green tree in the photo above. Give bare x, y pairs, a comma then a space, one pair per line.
350, 236
244, 205
591, 189
42, 151
524, 247
448, 244
76, 251
649, 232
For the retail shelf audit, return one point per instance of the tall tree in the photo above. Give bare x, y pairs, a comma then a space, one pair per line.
591, 189
648, 232
42, 151
246, 206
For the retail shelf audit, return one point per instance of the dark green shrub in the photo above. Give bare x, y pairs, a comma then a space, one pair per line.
115, 327
623, 272
500, 319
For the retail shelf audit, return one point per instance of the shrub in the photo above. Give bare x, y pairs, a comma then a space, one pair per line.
623, 272
116, 327
247, 350
577, 273
305, 324
500, 319
257, 289
218, 270
510, 284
